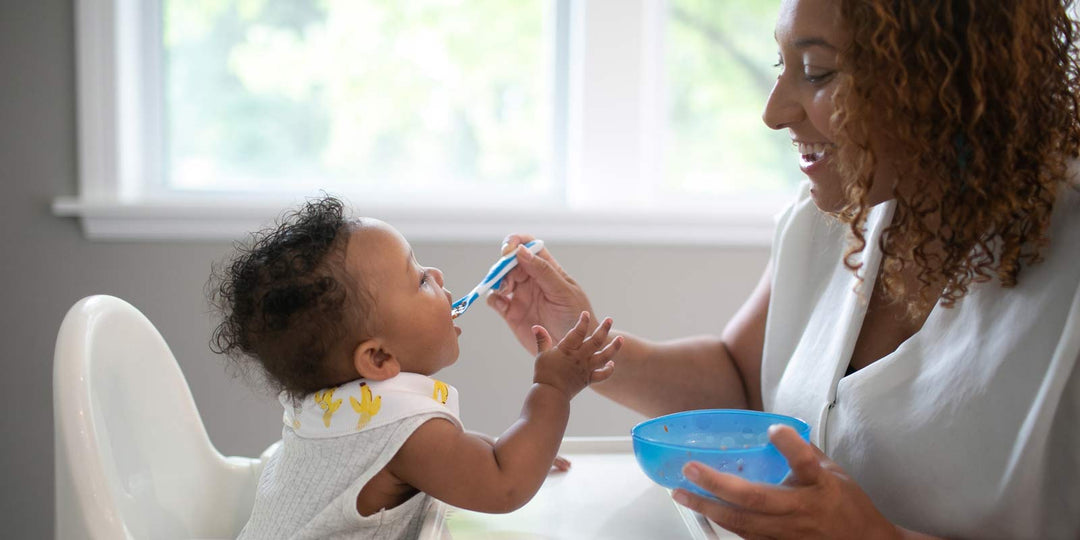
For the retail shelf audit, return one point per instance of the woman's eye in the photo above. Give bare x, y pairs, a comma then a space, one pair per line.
816, 78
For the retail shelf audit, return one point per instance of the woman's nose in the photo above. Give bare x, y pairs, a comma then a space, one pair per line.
781, 110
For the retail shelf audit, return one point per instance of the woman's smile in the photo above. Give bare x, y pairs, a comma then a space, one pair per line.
813, 156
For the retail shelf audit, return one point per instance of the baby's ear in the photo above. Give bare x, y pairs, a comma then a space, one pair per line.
374, 362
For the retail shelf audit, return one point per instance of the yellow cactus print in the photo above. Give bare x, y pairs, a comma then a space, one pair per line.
441, 393
326, 402
366, 407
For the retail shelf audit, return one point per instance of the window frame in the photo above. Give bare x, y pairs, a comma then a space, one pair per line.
609, 104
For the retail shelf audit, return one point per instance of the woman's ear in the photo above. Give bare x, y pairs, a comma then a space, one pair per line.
373, 362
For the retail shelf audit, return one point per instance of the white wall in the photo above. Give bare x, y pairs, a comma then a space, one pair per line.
46, 266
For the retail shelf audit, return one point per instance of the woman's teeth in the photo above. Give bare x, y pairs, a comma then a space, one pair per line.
813, 152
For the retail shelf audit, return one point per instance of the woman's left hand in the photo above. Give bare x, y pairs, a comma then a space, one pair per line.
818, 500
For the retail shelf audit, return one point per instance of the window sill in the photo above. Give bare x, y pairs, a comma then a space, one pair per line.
227, 220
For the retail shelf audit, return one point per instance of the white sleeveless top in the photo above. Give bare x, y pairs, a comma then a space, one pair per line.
971, 428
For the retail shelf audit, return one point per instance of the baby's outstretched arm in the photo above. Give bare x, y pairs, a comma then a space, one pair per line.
560, 463
467, 471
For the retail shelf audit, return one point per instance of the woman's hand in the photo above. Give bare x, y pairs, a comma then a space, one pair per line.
538, 292
818, 500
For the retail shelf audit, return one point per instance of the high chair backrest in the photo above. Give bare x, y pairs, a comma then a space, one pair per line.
133, 459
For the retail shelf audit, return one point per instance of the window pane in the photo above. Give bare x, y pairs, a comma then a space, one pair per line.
368, 95
719, 60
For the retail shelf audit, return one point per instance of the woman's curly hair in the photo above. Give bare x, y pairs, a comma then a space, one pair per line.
980, 99
287, 302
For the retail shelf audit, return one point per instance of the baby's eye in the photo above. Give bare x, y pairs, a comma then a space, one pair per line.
423, 278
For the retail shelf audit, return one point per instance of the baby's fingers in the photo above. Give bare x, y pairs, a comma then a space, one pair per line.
603, 359
603, 373
603, 356
543, 339
573, 339
599, 336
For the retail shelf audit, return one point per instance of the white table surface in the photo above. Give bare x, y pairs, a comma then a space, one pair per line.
604, 495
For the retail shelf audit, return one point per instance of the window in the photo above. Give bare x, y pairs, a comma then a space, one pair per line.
719, 72
605, 120
425, 99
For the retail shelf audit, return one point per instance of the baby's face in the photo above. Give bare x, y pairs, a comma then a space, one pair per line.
411, 307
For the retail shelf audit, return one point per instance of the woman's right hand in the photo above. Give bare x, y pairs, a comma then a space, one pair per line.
538, 292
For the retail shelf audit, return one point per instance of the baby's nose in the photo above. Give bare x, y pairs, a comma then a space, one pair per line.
438, 275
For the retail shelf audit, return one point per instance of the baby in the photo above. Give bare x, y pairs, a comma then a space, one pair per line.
349, 327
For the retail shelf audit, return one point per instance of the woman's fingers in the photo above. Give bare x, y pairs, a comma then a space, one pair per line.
744, 523
499, 303
543, 271
513, 240
752, 496
801, 456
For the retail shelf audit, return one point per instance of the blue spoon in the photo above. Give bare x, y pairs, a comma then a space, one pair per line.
493, 279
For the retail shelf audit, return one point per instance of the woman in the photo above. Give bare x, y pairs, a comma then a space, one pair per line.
921, 308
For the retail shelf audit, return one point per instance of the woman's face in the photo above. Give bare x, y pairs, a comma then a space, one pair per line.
809, 38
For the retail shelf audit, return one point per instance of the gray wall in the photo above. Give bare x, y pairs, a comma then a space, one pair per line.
48, 265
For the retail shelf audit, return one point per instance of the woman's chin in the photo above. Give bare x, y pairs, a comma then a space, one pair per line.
826, 199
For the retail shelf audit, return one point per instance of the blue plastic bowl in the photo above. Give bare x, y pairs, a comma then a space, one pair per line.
729, 440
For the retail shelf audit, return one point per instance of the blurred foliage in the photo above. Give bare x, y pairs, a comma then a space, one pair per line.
277, 93
282, 94
719, 58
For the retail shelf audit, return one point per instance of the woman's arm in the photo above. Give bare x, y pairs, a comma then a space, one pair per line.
696, 372
653, 378
661, 378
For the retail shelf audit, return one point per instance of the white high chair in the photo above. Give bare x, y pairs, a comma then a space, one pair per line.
133, 459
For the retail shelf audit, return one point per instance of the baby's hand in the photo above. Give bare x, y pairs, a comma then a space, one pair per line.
561, 464
576, 361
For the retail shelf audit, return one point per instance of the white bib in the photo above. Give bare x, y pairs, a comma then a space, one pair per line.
362, 405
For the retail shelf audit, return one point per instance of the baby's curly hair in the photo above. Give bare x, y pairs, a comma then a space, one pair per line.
287, 303
981, 98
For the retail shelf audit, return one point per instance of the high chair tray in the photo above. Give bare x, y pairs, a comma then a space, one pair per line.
604, 495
